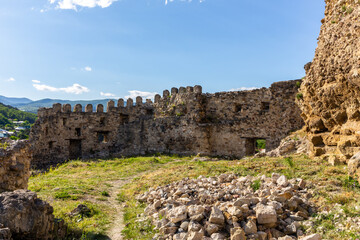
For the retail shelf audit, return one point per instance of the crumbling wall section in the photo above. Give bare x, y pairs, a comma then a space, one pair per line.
15, 158
181, 121
330, 91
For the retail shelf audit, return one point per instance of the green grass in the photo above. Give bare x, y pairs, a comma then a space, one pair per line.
90, 183
256, 185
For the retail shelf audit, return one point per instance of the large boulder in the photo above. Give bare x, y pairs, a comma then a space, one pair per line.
28, 217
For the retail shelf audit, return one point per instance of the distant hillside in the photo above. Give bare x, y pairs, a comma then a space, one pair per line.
13, 101
9, 112
35, 105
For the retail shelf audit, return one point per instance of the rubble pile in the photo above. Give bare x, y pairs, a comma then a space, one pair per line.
230, 207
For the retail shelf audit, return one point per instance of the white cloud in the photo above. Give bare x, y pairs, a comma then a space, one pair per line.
35, 81
88, 69
169, 1
73, 4
74, 89
10, 79
107, 94
135, 93
242, 89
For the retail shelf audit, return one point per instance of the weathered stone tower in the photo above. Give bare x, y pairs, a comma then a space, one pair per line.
331, 89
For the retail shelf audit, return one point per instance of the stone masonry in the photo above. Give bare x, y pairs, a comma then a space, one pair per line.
331, 99
15, 158
183, 121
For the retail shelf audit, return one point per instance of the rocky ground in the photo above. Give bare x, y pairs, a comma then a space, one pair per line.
24, 216
226, 207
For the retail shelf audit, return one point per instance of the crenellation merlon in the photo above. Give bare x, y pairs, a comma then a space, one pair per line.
198, 89
110, 105
189, 89
129, 103
174, 91
120, 103
89, 108
66, 108
139, 101
100, 108
157, 98
77, 108
56, 107
166, 94
182, 90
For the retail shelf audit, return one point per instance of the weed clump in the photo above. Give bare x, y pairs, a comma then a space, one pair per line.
256, 185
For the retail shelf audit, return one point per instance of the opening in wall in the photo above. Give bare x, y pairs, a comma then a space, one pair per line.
149, 111
265, 106
238, 108
75, 151
254, 145
103, 137
260, 145
124, 118
78, 132
51, 144
102, 121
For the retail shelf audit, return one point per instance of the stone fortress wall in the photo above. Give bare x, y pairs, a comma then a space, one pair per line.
183, 121
331, 99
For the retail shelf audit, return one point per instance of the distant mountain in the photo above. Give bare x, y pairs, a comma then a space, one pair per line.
12, 101
35, 105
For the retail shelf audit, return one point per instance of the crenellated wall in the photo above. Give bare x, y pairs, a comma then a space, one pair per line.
181, 121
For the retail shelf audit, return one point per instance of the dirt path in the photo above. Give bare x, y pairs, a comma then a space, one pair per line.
117, 225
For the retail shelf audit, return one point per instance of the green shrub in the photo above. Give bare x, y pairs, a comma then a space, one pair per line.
289, 161
260, 144
351, 183
62, 195
299, 96
105, 194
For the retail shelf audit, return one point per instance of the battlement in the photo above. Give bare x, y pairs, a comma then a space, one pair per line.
176, 96
139, 102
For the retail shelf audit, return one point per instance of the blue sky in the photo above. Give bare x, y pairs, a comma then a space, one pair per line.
91, 49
